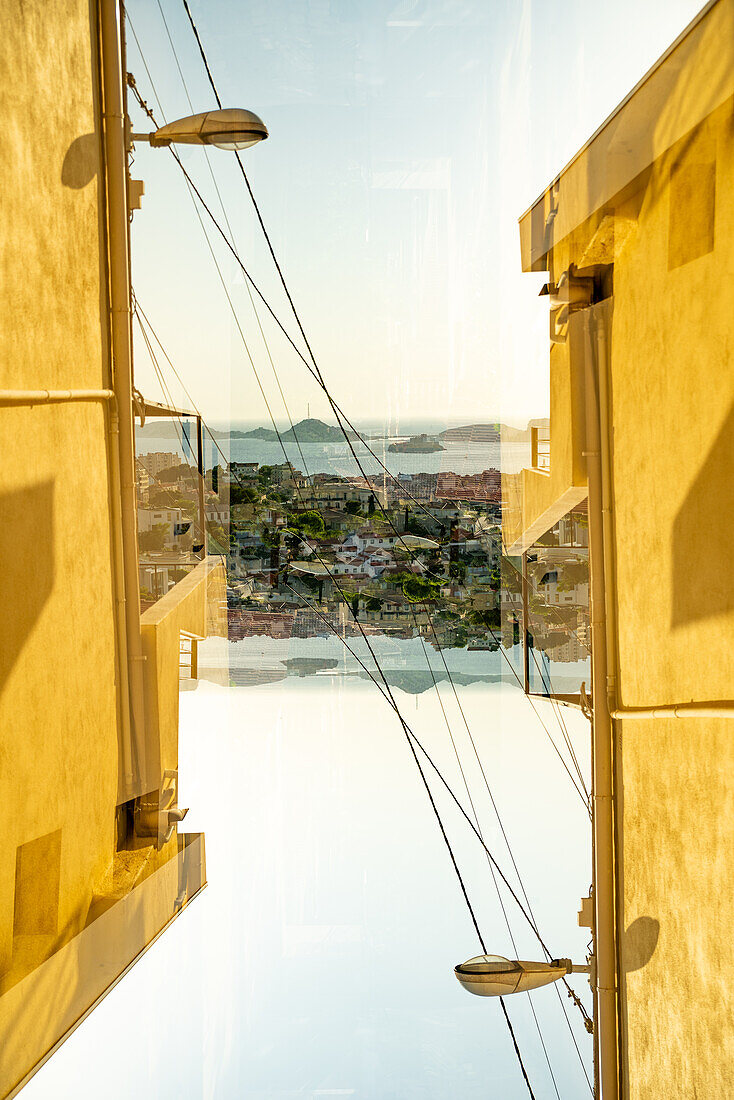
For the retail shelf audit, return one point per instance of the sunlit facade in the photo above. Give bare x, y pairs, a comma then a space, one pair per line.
635, 234
93, 864
597, 578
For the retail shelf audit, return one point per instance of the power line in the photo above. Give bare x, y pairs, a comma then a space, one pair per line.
231, 234
338, 411
410, 737
320, 378
409, 732
341, 419
232, 249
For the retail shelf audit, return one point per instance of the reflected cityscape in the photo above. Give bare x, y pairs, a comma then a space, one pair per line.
397, 556
441, 675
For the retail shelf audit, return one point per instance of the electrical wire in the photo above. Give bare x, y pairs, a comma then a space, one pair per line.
356, 459
231, 234
202, 201
341, 419
371, 676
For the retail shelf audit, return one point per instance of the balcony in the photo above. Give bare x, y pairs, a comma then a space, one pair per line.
538, 497
540, 449
182, 510
545, 610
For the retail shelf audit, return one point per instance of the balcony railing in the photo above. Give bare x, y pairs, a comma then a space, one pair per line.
540, 449
173, 496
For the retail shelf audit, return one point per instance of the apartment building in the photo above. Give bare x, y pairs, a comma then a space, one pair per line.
636, 236
156, 461
93, 864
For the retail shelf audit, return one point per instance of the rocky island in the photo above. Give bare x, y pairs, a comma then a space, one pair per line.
417, 445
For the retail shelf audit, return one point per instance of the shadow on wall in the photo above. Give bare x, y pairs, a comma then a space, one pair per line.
81, 162
27, 573
702, 555
640, 941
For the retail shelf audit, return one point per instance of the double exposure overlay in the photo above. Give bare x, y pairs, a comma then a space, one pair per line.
366, 557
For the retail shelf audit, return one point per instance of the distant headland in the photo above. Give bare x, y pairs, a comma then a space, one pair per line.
305, 431
311, 430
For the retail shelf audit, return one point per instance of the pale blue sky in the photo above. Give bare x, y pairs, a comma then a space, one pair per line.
319, 961
406, 139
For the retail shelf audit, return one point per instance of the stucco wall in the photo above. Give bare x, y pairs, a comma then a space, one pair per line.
653, 193
672, 388
58, 706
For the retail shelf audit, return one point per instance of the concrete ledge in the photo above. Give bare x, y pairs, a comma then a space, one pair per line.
39, 1013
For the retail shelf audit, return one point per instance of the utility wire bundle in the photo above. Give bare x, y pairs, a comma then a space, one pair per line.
377, 676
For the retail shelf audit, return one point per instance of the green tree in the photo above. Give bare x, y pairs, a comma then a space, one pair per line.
573, 573
270, 538
457, 570
176, 473
353, 508
310, 523
417, 589
416, 528
155, 539
243, 494
489, 619
217, 535
434, 564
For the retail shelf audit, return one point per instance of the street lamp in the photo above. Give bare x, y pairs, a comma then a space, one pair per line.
496, 976
232, 128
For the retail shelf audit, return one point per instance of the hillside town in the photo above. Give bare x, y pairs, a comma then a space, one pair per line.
416, 555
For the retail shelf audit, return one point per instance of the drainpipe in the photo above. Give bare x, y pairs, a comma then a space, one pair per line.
678, 710
124, 789
52, 397
121, 338
525, 626
607, 515
200, 483
603, 808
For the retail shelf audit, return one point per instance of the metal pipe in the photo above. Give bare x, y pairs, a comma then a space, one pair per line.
608, 521
200, 470
607, 517
525, 625
118, 559
52, 397
677, 710
603, 805
121, 336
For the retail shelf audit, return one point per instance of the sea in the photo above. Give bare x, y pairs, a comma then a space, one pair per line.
460, 457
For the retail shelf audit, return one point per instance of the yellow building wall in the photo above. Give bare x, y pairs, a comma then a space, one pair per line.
196, 606
672, 391
670, 332
58, 702
653, 194
80, 895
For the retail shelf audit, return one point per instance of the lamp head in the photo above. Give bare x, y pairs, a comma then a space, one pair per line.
232, 128
496, 976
